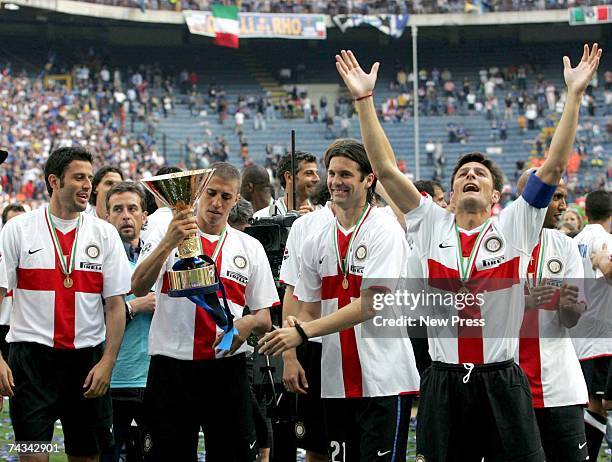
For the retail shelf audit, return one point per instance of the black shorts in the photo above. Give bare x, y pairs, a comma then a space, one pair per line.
367, 429
4, 346
486, 413
49, 386
562, 433
263, 425
597, 376
182, 396
309, 429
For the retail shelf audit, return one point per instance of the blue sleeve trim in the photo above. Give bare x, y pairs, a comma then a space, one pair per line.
537, 193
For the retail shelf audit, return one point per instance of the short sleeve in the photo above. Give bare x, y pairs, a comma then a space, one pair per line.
421, 221
260, 290
387, 259
9, 254
117, 269
521, 224
308, 287
290, 268
574, 270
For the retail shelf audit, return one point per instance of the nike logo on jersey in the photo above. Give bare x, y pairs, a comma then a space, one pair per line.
380, 454
442, 246
252, 445
31, 252
580, 446
321, 260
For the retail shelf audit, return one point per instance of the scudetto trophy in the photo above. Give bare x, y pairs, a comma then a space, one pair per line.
194, 275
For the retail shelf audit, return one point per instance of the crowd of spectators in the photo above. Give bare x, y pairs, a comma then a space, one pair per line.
38, 115
365, 7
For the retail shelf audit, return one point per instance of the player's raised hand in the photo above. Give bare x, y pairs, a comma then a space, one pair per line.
357, 81
578, 78
183, 225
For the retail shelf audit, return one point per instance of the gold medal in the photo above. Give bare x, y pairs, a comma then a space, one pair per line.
463, 290
345, 284
68, 282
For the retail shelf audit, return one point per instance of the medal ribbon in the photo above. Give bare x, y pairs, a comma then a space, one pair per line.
343, 263
466, 270
66, 267
219, 245
539, 264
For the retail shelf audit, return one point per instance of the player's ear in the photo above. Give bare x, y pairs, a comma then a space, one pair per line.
495, 196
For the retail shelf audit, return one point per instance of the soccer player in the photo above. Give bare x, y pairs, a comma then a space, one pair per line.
103, 180
9, 212
475, 401
434, 189
366, 380
593, 334
60, 263
189, 384
255, 187
126, 202
546, 353
307, 178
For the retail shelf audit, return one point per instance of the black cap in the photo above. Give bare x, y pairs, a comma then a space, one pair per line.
3, 155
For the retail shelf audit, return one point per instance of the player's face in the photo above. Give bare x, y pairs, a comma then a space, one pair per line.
556, 208
74, 190
439, 197
307, 178
125, 213
570, 217
107, 182
347, 185
217, 201
473, 187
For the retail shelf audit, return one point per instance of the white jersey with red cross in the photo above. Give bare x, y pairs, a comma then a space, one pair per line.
182, 330
354, 365
484, 327
593, 333
44, 310
546, 353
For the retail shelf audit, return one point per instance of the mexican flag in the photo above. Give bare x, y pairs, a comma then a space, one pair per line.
226, 25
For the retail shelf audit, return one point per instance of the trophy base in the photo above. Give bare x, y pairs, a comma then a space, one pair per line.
193, 291
194, 281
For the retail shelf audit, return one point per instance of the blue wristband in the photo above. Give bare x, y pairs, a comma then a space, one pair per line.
537, 193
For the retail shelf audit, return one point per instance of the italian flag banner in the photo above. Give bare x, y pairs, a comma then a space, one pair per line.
585, 15
227, 27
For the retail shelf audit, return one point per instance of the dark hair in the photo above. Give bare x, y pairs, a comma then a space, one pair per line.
428, 186
60, 159
496, 173
127, 186
321, 194
240, 213
11, 208
226, 171
284, 164
355, 151
166, 170
598, 205
97, 179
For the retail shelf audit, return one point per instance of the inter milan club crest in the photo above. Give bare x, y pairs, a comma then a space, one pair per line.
361, 252
92, 251
493, 244
300, 430
554, 265
148, 443
240, 261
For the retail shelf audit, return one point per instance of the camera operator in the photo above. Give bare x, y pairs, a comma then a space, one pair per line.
306, 179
